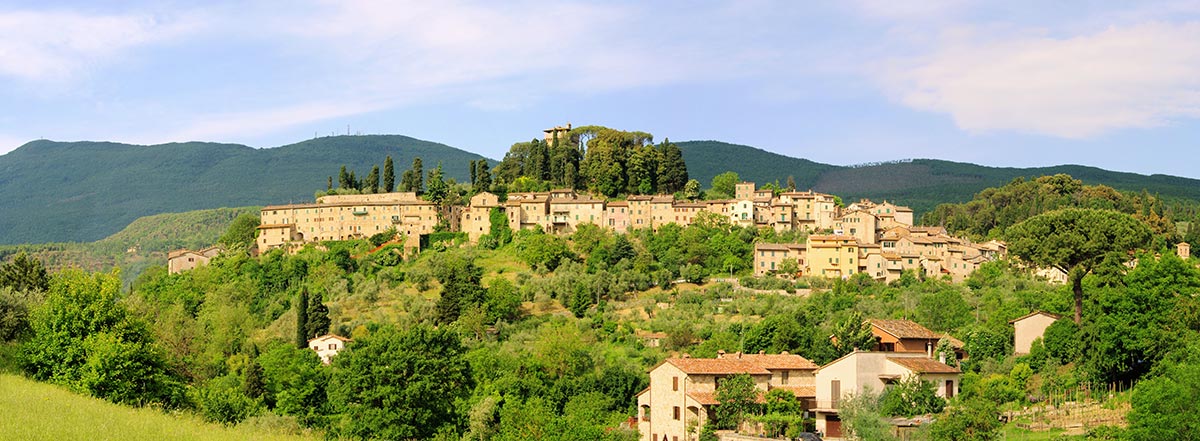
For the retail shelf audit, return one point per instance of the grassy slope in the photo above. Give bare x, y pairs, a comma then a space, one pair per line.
920, 184
84, 191
38, 411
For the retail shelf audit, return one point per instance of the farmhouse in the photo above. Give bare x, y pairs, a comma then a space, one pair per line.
183, 260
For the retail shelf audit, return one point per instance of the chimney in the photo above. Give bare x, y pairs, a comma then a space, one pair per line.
929, 349
783, 353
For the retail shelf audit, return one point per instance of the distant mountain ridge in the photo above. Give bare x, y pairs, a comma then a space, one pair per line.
919, 183
84, 191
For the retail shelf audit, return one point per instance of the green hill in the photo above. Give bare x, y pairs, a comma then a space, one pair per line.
921, 183
83, 191
142, 243
39, 411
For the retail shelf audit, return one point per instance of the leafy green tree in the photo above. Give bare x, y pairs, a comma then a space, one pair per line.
294, 382
970, 420
724, 184
691, 190
461, 288
24, 273
372, 184
1164, 407
541, 250
911, 397
438, 190
1075, 241
791, 183
85, 339
389, 175
241, 233
852, 333
738, 397
15, 307
642, 170
399, 384
861, 418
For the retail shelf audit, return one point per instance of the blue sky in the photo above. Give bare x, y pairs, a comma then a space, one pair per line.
1012, 83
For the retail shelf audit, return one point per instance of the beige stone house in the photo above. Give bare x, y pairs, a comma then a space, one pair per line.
345, 217
769, 257
327, 346
682, 391
1183, 250
183, 260
858, 371
1028, 328
476, 217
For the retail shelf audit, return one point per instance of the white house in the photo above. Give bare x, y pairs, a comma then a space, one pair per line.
857, 372
327, 346
1028, 328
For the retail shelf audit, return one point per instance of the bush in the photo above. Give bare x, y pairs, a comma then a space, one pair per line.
222, 401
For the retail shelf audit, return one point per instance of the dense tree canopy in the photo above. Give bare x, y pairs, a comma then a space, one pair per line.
1077, 241
398, 384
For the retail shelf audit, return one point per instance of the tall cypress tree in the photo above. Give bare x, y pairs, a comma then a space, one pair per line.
318, 317
672, 170
372, 184
301, 307
483, 181
344, 179
329, 185
474, 172
389, 175
418, 182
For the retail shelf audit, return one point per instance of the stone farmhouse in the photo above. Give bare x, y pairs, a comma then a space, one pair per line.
1028, 328
327, 346
682, 392
179, 261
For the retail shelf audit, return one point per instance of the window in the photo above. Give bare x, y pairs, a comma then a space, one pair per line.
675, 411
949, 389
674, 383
783, 377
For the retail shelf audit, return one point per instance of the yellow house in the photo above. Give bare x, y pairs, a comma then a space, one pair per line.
345, 217
832, 255
476, 218
183, 260
1028, 328
769, 257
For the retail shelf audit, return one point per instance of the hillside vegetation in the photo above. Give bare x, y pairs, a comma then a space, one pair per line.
39, 411
84, 191
150, 238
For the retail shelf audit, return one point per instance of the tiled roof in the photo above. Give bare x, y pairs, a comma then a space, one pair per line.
904, 329
710, 398
771, 246
777, 361
714, 366
922, 365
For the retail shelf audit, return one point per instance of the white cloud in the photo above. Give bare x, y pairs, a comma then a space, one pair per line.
50, 45
1137, 76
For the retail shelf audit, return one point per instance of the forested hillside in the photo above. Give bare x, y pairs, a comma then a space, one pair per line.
920, 184
84, 191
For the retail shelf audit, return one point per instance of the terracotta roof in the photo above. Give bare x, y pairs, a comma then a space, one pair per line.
904, 329
777, 361
266, 226
662, 199
337, 337
922, 365
1054, 316
771, 246
799, 391
714, 366
816, 237
618, 204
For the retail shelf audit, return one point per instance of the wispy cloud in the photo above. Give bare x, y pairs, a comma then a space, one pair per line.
1134, 76
59, 45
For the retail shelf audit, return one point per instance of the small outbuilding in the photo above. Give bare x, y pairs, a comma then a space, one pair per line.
1028, 328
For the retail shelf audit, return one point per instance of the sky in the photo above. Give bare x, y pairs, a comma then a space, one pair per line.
1006, 83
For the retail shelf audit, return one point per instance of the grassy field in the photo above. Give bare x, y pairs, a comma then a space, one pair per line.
38, 411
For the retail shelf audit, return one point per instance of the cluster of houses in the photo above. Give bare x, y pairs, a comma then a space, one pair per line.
682, 392
877, 239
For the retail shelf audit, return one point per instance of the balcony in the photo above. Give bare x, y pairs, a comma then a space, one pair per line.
359, 212
559, 218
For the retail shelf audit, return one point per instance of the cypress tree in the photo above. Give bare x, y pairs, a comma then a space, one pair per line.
372, 184
484, 180
672, 170
473, 172
318, 317
418, 183
344, 179
389, 175
329, 185
302, 319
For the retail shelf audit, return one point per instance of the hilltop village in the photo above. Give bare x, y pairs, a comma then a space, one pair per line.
863, 237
